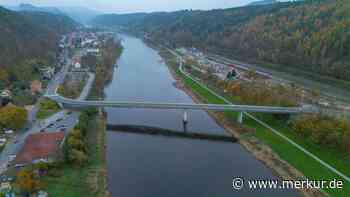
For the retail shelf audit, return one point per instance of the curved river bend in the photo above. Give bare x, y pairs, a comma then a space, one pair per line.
155, 166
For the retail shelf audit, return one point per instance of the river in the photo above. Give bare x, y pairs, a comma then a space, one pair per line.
155, 166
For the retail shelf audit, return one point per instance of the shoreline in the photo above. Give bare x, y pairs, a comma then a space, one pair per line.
280, 168
101, 140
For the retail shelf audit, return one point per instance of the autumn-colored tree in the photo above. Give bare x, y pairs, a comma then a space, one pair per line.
75, 148
325, 130
251, 74
27, 181
76, 143
76, 133
13, 117
78, 157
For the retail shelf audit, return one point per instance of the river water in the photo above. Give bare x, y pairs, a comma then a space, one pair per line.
155, 166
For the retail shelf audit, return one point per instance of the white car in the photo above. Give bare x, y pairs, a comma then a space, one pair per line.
12, 157
9, 132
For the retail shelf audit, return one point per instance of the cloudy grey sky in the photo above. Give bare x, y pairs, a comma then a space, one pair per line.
123, 6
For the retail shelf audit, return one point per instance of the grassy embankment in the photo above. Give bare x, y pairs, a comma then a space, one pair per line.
89, 180
286, 151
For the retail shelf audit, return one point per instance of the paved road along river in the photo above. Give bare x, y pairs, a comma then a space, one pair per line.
159, 166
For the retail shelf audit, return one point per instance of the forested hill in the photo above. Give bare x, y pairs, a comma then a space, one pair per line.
27, 35
118, 19
263, 2
311, 35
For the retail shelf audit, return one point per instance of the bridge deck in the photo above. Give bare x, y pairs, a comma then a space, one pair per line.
150, 105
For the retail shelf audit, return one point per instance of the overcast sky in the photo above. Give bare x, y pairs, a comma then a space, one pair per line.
123, 6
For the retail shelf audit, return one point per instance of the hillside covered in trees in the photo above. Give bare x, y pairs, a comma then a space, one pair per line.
28, 35
311, 35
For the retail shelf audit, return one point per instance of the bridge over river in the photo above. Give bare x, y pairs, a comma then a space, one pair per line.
162, 162
72, 103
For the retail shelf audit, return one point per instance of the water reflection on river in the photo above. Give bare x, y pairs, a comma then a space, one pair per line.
155, 166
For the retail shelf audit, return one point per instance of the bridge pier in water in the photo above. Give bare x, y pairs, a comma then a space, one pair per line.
240, 117
185, 120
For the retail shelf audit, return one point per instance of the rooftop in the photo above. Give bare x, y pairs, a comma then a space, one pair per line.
40, 145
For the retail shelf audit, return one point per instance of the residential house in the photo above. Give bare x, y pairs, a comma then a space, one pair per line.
42, 194
36, 87
5, 97
47, 72
3, 141
77, 65
6, 94
5, 184
40, 147
92, 51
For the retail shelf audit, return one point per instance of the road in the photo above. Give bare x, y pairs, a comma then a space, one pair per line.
87, 87
63, 119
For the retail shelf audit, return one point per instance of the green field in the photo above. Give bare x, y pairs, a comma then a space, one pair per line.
304, 163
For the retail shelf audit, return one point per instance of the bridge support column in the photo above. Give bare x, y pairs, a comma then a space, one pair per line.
240, 117
61, 105
185, 120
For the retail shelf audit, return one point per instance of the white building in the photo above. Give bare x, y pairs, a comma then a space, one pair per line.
92, 50
77, 65
5, 94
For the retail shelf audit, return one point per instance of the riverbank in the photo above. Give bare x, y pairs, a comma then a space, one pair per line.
90, 179
104, 67
266, 146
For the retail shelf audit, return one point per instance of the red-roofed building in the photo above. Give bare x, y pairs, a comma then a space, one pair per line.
40, 147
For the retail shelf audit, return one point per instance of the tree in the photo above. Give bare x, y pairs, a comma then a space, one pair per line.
42, 168
251, 74
4, 77
75, 143
324, 130
78, 157
13, 117
76, 133
27, 182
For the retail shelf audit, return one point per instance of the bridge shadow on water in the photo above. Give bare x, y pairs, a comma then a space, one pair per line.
146, 130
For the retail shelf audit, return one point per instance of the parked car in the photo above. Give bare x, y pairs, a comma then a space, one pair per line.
62, 126
12, 157
63, 129
9, 132
3, 141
